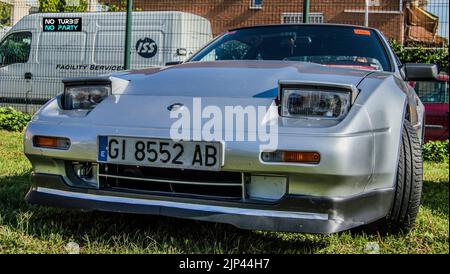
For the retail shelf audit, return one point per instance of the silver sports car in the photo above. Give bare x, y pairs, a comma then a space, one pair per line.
307, 128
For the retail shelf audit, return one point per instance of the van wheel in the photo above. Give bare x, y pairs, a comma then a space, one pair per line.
408, 187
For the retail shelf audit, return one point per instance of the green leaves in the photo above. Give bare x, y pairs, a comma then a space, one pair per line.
13, 120
61, 6
435, 151
81, 7
418, 54
5, 14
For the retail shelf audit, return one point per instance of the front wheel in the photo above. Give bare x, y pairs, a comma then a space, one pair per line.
408, 188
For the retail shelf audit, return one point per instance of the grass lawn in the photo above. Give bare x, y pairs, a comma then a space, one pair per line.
32, 229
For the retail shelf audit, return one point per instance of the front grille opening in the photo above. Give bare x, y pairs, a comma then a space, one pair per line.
171, 181
220, 191
109, 182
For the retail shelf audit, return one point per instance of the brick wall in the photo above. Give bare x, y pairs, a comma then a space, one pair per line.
227, 14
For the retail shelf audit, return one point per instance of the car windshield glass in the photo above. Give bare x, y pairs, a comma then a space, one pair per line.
328, 45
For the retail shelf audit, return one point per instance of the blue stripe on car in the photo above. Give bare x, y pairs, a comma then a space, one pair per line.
271, 93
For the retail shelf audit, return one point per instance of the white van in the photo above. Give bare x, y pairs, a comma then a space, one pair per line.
3, 31
35, 56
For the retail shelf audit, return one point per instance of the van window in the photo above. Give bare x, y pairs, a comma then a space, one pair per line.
15, 48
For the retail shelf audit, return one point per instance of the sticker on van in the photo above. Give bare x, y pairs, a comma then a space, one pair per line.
62, 24
146, 47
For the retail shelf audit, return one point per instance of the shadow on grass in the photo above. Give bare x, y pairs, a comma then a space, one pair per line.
435, 196
114, 232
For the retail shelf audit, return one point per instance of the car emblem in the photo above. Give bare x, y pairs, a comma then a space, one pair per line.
175, 106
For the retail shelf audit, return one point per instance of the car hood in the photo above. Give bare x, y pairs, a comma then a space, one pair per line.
144, 97
232, 78
221, 84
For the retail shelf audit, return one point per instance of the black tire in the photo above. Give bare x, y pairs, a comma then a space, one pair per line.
408, 188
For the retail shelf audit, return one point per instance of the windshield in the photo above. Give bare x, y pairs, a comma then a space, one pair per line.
328, 45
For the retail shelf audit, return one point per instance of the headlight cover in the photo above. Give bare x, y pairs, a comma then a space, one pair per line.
315, 103
84, 96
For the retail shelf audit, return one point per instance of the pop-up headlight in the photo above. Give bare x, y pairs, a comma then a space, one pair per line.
84, 96
315, 101
84, 93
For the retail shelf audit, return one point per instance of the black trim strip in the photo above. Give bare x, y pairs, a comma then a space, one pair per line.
23, 101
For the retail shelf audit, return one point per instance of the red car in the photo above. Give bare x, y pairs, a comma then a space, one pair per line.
434, 96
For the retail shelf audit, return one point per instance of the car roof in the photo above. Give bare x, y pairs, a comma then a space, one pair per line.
304, 25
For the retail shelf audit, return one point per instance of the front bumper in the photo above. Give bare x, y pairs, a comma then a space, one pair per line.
296, 213
347, 165
351, 186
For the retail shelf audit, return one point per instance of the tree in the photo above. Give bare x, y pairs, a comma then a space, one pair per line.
61, 6
5, 14
420, 54
81, 7
51, 5
122, 6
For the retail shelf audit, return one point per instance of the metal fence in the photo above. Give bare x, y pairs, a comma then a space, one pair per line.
70, 38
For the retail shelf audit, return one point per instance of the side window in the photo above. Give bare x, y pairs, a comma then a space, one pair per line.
445, 92
15, 48
230, 50
432, 91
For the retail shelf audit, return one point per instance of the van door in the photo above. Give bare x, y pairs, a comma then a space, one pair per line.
15, 68
59, 55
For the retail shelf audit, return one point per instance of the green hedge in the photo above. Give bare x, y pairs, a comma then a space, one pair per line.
62, 6
436, 151
13, 120
420, 54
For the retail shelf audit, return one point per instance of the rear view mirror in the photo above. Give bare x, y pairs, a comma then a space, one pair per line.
420, 72
303, 40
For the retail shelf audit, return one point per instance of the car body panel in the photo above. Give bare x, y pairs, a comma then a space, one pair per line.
436, 127
294, 213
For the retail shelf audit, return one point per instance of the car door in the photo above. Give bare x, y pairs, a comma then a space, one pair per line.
15, 68
434, 95
437, 125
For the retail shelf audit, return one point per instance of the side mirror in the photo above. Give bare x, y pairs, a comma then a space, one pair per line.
174, 63
420, 72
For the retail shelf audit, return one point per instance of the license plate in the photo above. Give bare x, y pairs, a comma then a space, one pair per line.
160, 152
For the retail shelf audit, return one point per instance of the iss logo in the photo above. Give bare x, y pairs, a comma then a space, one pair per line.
146, 47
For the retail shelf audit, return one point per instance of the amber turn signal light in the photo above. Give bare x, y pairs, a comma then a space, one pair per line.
301, 157
51, 142
305, 157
